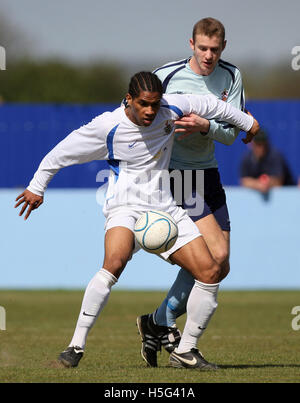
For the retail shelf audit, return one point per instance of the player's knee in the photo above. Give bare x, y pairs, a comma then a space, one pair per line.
115, 263
221, 254
225, 269
211, 275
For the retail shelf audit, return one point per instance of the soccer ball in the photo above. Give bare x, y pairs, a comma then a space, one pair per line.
156, 231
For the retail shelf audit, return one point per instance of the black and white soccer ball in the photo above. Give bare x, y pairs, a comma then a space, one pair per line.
156, 231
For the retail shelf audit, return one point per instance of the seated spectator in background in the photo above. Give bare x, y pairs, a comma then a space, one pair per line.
264, 167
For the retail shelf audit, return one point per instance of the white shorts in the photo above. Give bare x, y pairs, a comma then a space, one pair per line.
126, 217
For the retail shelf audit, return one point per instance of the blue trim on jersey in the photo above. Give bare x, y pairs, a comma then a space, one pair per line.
228, 69
113, 164
174, 109
228, 64
224, 65
242, 100
168, 78
109, 142
184, 61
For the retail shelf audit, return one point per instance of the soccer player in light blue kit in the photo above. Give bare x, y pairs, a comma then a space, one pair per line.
203, 73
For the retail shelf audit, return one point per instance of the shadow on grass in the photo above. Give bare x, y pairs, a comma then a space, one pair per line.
248, 366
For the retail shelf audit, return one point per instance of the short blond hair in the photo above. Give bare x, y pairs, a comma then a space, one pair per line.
209, 27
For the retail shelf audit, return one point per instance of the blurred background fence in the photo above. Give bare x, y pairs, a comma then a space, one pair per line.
61, 245
29, 131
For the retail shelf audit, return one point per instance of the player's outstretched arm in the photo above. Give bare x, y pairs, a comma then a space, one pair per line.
210, 107
192, 124
31, 202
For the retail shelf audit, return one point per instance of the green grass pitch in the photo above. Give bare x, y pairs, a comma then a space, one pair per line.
250, 336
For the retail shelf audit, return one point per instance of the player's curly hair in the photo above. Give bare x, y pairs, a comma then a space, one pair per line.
144, 81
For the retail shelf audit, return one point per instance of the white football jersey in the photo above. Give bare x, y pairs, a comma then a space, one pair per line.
139, 156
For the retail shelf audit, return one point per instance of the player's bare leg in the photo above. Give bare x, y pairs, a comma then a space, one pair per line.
119, 243
196, 258
217, 241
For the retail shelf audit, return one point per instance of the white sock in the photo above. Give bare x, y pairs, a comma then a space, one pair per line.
201, 305
94, 300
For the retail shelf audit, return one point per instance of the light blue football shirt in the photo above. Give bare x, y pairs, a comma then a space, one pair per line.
197, 151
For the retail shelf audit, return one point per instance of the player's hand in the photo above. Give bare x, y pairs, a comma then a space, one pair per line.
191, 124
31, 202
252, 132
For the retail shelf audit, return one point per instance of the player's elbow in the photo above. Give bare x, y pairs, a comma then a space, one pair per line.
226, 137
232, 135
228, 141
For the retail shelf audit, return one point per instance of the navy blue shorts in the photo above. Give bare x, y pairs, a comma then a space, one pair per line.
214, 197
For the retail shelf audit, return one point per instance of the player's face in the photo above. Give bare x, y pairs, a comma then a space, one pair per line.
143, 109
207, 52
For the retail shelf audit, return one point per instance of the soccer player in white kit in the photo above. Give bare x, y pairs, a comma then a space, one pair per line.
137, 141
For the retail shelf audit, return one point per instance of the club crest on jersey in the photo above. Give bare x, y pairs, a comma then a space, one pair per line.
224, 95
159, 153
168, 127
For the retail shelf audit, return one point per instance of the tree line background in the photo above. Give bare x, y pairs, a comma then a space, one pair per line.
29, 79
